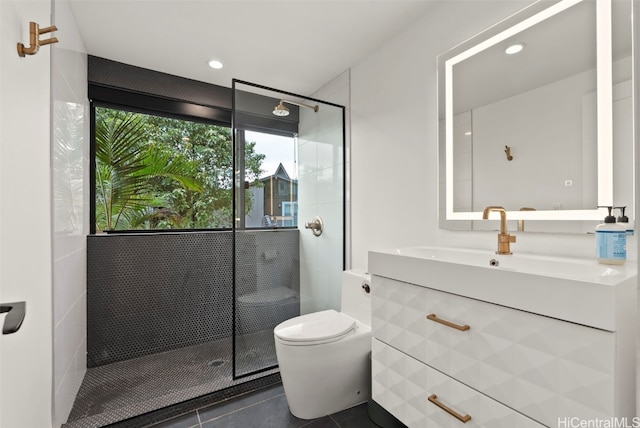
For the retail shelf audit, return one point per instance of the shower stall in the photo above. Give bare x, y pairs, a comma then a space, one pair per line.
178, 319
296, 271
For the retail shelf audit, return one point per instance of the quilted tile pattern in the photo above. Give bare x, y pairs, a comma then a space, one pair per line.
402, 385
540, 366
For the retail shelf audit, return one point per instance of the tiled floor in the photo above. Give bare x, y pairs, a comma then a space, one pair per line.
125, 389
266, 408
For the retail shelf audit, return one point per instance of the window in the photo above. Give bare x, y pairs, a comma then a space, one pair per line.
154, 172
276, 189
283, 188
290, 214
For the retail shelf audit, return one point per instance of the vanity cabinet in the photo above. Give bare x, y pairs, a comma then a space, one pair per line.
502, 366
413, 392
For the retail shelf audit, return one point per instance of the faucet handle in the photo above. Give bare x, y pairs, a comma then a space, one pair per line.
506, 237
504, 241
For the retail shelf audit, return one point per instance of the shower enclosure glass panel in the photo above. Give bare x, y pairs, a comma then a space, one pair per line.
272, 198
321, 183
271, 206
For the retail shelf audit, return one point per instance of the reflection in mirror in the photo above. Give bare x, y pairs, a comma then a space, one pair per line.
531, 131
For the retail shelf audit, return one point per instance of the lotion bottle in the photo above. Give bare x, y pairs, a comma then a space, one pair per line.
611, 241
623, 221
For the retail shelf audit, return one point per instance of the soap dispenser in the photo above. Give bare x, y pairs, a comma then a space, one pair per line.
611, 241
623, 220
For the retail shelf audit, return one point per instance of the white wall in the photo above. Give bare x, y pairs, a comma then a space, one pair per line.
548, 123
70, 156
556, 127
43, 214
394, 139
25, 218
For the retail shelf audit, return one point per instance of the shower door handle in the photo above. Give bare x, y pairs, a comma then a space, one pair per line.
15, 315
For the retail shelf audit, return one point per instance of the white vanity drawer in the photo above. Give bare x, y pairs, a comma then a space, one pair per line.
403, 386
540, 366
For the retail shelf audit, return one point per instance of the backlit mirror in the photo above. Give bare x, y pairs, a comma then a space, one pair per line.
546, 132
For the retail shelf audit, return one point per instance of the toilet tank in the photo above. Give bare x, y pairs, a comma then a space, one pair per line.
355, 301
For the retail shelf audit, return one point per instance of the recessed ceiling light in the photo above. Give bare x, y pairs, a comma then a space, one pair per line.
514, 49
214, 63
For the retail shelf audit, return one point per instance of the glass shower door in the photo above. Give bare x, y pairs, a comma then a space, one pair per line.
273, 132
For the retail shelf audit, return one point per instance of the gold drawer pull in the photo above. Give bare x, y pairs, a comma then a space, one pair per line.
464, 419
434, 317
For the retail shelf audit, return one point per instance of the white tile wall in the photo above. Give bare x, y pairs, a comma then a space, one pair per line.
321, 178
70, 153
25, 219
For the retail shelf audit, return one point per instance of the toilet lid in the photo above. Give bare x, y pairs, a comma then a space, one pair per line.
315, 327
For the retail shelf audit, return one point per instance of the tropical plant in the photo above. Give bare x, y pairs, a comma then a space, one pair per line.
156, 172
210, 148
127, 168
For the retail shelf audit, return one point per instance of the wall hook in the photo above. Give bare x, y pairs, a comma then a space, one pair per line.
507, 150
34, 39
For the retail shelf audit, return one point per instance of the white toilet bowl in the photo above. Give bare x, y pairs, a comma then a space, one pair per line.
324, 356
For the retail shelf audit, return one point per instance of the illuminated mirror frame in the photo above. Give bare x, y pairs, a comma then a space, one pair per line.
604, 83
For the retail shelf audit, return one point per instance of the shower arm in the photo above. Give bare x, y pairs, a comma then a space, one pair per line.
314, 108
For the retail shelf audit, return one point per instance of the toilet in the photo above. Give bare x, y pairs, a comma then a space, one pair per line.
324, 356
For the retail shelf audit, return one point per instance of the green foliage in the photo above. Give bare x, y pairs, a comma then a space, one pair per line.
160, 173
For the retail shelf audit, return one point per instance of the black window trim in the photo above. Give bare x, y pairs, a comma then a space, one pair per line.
152, 104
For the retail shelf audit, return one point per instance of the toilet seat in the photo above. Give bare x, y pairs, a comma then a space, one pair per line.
315, 328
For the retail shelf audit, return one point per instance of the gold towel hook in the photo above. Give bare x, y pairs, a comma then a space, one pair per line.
507, 150
34, 39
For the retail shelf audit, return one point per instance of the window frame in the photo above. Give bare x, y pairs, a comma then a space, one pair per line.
136, 102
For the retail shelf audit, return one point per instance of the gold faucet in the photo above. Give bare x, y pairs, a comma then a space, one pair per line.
504, 239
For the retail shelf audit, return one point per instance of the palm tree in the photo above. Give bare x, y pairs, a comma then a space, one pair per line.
127, 166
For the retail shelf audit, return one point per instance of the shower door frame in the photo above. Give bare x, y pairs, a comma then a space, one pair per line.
234, 198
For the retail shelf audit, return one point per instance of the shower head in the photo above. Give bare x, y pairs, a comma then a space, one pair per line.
282, 110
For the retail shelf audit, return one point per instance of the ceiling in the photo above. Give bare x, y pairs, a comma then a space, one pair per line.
561, 46
291, 45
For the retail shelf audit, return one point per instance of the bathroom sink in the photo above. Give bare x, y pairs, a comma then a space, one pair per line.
572, 289
569, 268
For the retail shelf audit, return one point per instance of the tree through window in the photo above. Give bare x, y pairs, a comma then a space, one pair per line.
155, 172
